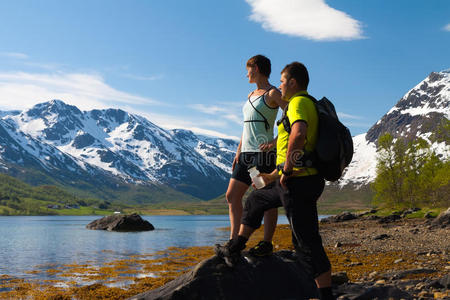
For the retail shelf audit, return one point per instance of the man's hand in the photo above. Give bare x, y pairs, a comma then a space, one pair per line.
283, 181
268, 178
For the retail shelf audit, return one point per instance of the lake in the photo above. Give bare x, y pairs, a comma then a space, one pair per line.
39, 242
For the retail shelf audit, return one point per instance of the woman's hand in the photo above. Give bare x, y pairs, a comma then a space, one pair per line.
235, 161
268, 146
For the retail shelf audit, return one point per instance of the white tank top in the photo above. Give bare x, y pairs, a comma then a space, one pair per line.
256, 130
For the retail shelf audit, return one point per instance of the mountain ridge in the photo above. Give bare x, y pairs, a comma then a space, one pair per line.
112, 142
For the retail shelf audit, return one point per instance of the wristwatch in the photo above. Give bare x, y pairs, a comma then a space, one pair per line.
287, 173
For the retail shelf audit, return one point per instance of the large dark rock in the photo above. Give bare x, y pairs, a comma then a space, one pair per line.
120, 222
405, 273
443, 220
445, 281
344, 216
389, 219
364, 292
279, 276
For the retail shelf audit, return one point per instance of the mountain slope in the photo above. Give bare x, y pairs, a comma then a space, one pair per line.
115, 146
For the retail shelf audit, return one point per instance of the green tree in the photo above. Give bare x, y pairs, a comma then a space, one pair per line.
409, 174
388, 184
441, 185
416, 156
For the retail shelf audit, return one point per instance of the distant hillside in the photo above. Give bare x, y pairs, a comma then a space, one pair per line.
334, 199
19, 198
107, 189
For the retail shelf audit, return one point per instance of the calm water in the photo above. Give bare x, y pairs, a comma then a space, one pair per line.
34, 243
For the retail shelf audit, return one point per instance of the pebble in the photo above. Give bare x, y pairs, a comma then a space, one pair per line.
354, 264
381, 237
398, 261
380, 282
424, 294
420, 285
373, 274
337, 245
440, 295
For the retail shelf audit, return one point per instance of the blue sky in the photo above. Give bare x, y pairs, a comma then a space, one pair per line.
182, 63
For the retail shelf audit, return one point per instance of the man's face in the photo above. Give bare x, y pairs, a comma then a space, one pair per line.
284, 87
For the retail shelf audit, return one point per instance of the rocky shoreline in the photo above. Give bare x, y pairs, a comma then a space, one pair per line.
394, 256
372, 257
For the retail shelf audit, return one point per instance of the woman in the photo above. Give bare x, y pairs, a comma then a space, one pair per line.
255, 148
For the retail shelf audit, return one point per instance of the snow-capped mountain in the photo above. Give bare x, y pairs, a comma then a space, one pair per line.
417, 114
112, 142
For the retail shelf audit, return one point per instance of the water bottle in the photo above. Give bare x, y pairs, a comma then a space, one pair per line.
257, 180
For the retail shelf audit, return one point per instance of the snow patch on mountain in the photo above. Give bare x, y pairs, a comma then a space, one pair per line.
435, 86
362, 168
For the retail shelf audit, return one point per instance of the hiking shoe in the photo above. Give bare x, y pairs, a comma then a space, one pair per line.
218, 248
230, 249
230, 252
262, 249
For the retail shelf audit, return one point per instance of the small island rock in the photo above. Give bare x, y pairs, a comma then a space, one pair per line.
119, 222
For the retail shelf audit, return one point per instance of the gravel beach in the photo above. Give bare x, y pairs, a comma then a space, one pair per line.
407, 254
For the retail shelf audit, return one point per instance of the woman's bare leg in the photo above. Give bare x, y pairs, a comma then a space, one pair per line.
235, 192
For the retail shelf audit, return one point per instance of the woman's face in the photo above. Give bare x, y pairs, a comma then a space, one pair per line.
251, 74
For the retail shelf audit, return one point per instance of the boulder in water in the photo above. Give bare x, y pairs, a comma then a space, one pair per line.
119, 222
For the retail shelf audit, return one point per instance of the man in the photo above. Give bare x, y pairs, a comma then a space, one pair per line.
298, 188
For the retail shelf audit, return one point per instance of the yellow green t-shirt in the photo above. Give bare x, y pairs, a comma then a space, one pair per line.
300, 108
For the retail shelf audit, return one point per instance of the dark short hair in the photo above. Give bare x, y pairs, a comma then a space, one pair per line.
299, 72
262, 62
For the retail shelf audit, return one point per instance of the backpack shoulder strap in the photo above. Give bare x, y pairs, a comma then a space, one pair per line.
311, 98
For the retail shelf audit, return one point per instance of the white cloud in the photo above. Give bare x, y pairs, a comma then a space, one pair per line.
143, 78
228, 111
311, 19
22, 90
174, 122
19, 90
212, 133
16, 55
447, 27
347, 116
357, 124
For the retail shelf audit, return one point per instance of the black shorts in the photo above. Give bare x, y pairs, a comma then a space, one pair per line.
264, 162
